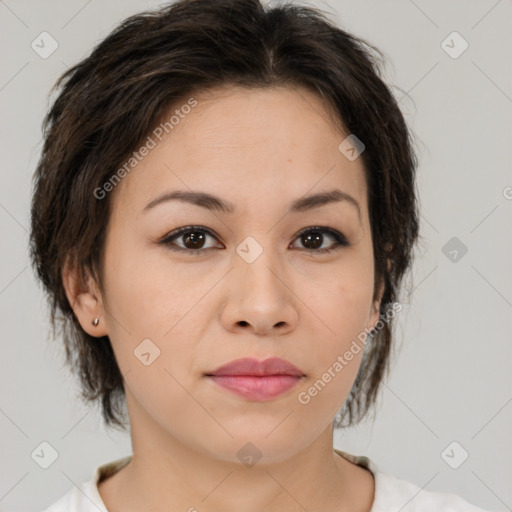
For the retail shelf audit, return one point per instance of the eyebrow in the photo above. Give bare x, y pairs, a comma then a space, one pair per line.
214, 203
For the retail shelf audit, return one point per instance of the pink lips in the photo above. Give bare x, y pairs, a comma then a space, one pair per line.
257, 380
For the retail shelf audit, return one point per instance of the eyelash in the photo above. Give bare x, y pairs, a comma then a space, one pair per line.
339, 239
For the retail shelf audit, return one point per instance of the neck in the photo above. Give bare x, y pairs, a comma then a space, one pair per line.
167, 474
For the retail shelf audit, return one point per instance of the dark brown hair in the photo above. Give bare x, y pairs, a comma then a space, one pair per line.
109, 102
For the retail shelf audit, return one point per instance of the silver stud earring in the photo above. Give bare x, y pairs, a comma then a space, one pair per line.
95, 322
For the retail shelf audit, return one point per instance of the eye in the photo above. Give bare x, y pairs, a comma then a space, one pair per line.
193, 239
313, 239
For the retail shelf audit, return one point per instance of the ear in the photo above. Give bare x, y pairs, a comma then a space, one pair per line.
85, 299
375, 309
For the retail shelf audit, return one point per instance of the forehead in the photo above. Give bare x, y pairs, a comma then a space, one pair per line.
247, 144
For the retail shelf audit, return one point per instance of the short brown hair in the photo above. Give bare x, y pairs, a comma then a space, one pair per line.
109, 102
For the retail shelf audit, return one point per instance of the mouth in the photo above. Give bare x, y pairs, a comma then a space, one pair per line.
257, 380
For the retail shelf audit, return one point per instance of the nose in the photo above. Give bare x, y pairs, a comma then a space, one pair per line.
260, 298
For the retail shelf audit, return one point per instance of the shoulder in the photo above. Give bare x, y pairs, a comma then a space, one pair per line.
78, 499
392, 493
85, 496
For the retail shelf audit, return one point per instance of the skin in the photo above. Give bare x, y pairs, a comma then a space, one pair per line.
259, 149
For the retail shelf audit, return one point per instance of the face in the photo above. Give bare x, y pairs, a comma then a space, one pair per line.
258, 272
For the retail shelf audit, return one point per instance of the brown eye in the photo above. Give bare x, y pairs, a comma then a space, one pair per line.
314, 238
193, 239
188, 238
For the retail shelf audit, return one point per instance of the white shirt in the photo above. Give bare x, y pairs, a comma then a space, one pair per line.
391, 493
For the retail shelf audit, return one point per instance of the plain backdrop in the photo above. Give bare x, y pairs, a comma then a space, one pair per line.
450, 382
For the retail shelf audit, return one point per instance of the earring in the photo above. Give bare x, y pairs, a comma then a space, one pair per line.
95, 322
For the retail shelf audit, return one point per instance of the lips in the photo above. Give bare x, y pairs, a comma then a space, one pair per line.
257, 380
255, 368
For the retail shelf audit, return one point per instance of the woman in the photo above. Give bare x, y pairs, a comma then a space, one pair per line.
223, 213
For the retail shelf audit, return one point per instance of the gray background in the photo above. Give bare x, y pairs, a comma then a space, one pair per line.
451, 379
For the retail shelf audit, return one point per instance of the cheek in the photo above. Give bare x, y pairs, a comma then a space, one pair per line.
335, 359
147, 294
342, 301
153, 318
341, 307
